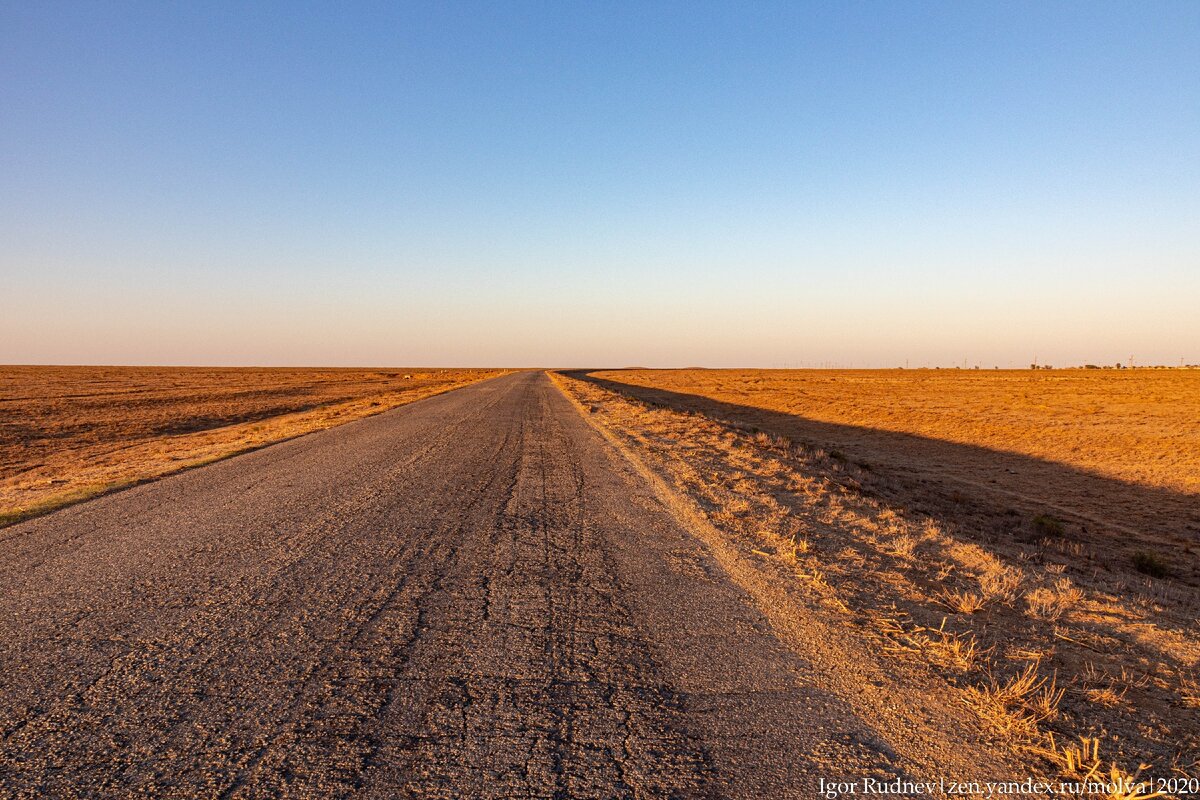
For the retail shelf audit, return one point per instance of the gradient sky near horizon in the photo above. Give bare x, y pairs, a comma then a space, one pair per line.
664, 184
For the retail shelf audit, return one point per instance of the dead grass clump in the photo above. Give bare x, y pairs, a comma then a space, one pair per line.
1050, 603
962, 602
956, 650
1107, 696
1082, 763
1017, 706
1042, 605
1001, 586
902, 546
1189, 692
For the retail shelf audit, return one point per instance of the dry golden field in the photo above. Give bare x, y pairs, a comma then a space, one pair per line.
1114, 456
1031, 538
69, 433
1141, 426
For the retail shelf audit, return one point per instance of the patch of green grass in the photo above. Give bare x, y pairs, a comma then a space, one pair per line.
1150, 564
1048, 525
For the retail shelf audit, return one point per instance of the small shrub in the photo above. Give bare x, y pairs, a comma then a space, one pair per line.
1150, 564
1048, 525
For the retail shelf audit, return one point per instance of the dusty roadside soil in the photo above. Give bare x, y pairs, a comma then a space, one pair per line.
69, 433
1041, 639
476, 595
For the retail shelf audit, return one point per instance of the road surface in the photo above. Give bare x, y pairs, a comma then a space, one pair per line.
466, 597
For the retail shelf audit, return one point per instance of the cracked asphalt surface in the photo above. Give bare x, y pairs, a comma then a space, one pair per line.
469, 596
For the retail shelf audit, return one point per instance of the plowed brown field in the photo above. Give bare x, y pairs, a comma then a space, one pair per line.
68, 433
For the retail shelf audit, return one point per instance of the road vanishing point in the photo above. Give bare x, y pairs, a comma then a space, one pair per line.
471, 596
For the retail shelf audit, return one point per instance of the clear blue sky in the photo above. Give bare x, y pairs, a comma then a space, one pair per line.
570, 183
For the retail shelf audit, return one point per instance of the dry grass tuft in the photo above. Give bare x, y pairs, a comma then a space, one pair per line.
1189, 692
1051, 603
1106, 696
956, 650
902, 546
1016, 706
961, 602
1082, 763
1001, 586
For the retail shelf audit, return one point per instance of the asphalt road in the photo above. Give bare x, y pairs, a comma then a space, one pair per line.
465, 597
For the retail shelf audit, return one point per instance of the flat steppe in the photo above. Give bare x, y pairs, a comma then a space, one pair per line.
1112, 454
1135, 425
595, 584
68, 433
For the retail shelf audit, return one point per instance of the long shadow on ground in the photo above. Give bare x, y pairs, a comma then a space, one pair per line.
998, 493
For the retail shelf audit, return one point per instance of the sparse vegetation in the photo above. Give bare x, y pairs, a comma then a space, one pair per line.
1189, 692
1001, 585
